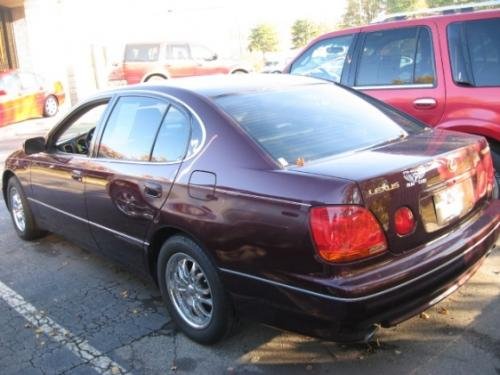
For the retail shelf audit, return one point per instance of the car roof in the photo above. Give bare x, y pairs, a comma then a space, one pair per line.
226, 85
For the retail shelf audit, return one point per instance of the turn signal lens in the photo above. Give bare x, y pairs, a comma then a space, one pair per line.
404, 221
346, 233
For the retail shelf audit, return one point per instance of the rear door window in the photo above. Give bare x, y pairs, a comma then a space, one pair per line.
474, 48
131, 129
142, 52
178, 52
172, 140
325, 59
396, 57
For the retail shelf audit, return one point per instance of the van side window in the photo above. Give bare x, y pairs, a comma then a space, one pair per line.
396, 57
474, 48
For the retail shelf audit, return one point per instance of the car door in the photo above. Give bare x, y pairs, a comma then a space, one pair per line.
32, 95
10, 99
57, 175
206, 61
132, 172
402, 68
179, 62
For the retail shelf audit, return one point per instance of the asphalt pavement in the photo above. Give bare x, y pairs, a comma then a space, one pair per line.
66, 311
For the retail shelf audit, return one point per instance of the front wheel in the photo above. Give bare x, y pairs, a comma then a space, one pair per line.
193, 292
22, 216
50, 106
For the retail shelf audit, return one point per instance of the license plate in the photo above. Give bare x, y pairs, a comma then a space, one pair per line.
454, 201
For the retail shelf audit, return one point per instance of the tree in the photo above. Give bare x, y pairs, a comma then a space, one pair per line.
361, 12
263, 38
303, 31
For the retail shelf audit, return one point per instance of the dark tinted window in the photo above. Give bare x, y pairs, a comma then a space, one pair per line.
475, 52
313, 121
142, 52
325, 59
131, 129
396, 57
173, 136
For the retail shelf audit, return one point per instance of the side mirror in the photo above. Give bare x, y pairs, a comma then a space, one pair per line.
213, 57
34, 145
3, 92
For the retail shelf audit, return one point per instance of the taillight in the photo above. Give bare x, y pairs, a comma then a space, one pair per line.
404, 221
346, 233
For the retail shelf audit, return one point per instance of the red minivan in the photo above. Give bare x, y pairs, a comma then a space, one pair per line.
143, 62
443, 70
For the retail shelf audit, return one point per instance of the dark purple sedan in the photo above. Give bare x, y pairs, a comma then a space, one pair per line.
292, 200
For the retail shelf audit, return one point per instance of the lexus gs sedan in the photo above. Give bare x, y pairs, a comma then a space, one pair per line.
290, 200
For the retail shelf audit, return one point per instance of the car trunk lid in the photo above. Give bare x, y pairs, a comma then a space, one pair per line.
441, 176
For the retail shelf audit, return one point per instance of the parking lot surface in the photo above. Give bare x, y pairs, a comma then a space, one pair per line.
66, 311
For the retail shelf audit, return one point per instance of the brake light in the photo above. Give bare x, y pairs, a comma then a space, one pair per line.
404, 221
346, 233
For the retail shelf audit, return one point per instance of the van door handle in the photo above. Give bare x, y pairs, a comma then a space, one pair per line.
152, 189
425, 103
76, 175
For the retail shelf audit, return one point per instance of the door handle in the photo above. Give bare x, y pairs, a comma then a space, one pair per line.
152, 189
76, 175
425, 103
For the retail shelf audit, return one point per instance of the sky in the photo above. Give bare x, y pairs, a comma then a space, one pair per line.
222, 25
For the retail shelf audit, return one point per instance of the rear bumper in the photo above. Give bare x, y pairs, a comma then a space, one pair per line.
347, 309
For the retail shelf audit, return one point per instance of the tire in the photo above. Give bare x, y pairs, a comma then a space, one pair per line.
50, 106
20, 212
176, 264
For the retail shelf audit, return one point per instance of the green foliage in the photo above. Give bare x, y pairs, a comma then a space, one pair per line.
263, 38
303, 31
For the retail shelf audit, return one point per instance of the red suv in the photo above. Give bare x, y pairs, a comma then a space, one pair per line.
153, 61
443, 70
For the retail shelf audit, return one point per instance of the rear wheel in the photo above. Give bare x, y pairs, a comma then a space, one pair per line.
22, 216
193, 292
50, 106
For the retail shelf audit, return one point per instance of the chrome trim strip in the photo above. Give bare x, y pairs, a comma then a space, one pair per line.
363, 298
120, 234
386, 87
253, 196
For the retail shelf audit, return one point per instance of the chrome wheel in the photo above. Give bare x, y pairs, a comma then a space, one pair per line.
16, 206
51, 106
189, 290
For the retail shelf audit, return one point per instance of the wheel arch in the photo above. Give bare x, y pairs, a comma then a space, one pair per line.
153, 74
158, 238
5, 179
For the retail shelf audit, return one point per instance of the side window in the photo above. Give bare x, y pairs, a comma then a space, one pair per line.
325, 59
142, 52
475, 52
178, 52
172, 139
396, 57
131, 129
77, 136
10, 83
29, 81
201, 53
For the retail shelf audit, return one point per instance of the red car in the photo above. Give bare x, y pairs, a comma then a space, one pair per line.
25, 95
444, 70
144, 62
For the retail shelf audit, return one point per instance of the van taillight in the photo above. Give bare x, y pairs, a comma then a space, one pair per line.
346, 233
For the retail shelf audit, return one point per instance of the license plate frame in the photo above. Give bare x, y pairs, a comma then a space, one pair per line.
454, 201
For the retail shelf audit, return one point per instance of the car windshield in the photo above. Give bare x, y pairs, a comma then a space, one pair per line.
309, 122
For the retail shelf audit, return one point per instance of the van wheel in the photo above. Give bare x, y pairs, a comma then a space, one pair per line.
193, 292
20, 211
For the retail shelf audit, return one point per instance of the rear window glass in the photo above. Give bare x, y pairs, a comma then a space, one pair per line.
310, 122
475, 52
142, 52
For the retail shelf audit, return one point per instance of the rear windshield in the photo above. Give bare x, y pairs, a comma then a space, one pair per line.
142, 52
310, 122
